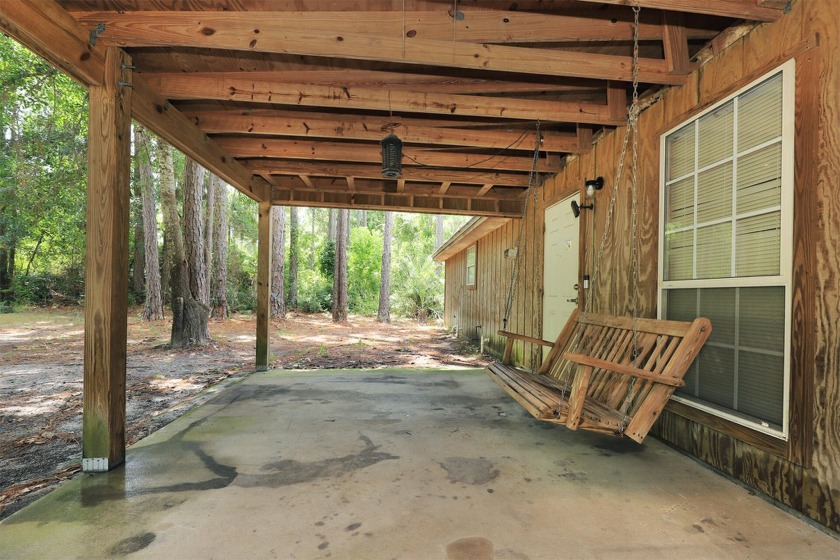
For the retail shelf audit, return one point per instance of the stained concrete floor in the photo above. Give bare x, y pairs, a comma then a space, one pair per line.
398, 464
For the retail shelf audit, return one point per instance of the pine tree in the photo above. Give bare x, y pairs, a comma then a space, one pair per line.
278, 263
340, 303
384, 314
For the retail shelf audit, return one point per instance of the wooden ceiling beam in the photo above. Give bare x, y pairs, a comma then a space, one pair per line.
739, 9
379, 122
46, 29
206, 86
426, 83
233, 122
374, 171
485, 189
370, 153
275, 35
49, 31
675, 42
477, 26
392, 186
397, 202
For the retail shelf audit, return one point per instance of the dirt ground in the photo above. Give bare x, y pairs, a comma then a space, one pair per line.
41, 377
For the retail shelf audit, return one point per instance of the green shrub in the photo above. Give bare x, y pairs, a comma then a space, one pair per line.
314, 291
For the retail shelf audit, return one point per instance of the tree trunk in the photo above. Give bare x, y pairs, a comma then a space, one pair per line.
339, 308
312, 243
384, 315
139, 257
213, 184
293, 256
5, 277
194, 230
362, 218
331, 226
166, 266
153, 309
439, 240
278, 262
189, 317
218, 295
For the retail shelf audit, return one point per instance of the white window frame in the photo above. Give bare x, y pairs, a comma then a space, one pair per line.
785, 277
474, 249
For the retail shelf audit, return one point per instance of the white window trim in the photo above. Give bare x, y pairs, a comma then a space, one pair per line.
785, 278
474, 248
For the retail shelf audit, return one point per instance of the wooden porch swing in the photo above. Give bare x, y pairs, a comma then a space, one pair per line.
604, 373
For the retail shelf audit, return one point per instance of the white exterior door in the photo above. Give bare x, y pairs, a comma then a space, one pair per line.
562, 238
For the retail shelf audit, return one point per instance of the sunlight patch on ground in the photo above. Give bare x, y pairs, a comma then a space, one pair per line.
35, 406
16, 336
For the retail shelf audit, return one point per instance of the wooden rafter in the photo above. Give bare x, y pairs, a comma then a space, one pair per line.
421, 83
208, 86
399, 202
232, 122
477, 26
49, 31
275, 35
742, 9
374, 171
370, 153
391, 186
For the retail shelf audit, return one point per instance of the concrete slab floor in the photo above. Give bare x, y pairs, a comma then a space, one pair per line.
398, 464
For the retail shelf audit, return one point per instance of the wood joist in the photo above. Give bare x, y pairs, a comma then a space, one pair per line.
293, 97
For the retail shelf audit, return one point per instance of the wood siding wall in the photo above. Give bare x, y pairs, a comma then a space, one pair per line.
484, 305
805, 473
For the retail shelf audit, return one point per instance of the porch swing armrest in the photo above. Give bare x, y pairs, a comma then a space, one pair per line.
525, 338
513, 336
622, 369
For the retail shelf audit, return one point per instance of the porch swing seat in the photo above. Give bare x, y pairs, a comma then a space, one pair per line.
590, 379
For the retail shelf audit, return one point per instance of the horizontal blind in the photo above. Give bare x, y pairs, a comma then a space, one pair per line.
760, 113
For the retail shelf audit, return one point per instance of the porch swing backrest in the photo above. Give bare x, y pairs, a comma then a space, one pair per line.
590, 379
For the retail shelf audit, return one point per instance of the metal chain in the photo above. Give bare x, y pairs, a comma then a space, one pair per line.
533, 183
634, 219
632, 126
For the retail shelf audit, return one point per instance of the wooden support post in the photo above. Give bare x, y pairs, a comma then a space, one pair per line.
106, 267
675, 42
617, 100
263, 284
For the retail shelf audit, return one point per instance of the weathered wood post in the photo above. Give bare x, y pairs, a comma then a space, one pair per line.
263, 284
106, 267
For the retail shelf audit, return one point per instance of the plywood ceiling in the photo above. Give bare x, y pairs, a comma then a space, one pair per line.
300, 92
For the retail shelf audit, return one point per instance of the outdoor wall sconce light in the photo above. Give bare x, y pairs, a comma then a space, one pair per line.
576, 208
391, 156
593, 185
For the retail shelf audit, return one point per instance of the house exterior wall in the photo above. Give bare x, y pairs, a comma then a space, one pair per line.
467, 308
803, 473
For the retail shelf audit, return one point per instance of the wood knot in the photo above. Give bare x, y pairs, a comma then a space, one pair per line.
411, 33
339, 38
208, 31
253, 43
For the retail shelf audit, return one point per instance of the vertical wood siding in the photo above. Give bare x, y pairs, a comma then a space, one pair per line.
805, 474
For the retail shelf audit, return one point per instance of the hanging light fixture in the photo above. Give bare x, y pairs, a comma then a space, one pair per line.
391, 156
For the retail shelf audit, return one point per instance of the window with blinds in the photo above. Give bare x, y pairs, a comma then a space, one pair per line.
725, 247
471, 266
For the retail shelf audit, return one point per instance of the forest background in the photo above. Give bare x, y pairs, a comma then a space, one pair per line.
43, 122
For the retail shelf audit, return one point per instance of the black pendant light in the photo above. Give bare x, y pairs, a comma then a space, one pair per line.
391, 156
